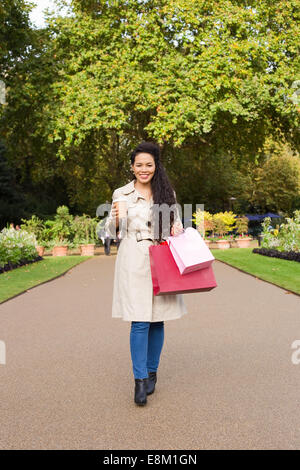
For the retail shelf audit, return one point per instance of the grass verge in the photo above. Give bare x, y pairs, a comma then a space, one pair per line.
283, 273
21, 279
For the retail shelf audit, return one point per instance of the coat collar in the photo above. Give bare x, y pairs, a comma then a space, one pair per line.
130, 188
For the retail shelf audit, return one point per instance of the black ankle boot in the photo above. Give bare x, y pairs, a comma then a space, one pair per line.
152, 379
140, 391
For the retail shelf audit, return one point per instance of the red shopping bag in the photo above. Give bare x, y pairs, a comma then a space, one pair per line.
166, 277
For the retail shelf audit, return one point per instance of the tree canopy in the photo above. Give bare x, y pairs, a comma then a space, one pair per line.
15, 31
210, 81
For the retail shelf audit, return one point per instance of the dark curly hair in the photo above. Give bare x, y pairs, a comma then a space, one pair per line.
162, 191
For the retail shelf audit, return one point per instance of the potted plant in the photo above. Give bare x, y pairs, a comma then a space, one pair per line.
40, 246
220, 228
84, 229
35, 226
59, 231
242, 228
232, 240
224, 222
60, 247
204, 222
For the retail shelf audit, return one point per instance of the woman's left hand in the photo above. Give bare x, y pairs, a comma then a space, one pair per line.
176, 229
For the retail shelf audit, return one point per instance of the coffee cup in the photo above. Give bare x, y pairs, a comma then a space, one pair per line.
122, 206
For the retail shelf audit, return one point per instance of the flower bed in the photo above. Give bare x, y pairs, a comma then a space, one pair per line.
283, 238
289, 255
220, 225
25, 244
17, 248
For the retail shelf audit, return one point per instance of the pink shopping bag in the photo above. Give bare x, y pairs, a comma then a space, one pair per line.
166, 278
190, 251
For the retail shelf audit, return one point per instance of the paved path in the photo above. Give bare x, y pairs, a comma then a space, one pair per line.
225, 381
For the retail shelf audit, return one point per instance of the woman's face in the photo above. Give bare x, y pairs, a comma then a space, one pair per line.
143, 167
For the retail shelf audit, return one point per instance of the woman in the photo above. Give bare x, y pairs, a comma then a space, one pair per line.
133, 298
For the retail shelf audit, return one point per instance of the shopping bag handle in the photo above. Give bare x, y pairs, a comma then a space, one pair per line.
165, 242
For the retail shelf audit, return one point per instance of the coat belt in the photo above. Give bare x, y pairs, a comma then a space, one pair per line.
139, 235
143, 235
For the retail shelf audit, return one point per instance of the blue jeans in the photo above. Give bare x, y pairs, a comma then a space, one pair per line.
146, 342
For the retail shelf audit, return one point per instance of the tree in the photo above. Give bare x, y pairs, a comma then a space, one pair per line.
15, 32
209, 81
11, 196
277, 183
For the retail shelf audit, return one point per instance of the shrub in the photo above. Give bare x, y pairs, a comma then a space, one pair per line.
36, 226
84, 229
289, 233
59, 230
229, 220
286, 237
16, 245
241, 225
219, 223
205, 218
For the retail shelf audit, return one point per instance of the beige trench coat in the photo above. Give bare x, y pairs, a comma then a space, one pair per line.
133, 298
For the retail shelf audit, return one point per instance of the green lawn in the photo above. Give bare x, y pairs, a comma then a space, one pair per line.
281, 272
20, 279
